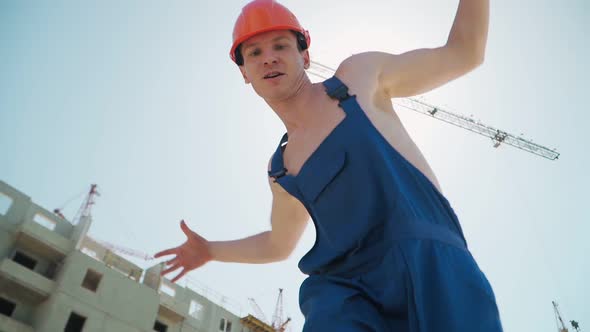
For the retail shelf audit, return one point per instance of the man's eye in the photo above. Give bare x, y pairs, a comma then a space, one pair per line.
279, 47
254, 53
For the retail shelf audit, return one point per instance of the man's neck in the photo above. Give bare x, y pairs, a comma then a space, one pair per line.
296, 112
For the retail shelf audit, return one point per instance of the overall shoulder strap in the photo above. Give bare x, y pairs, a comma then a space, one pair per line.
277, 167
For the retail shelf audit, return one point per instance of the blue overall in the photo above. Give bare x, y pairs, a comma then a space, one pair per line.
389, 253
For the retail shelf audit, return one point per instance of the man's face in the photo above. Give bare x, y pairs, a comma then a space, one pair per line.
273, 64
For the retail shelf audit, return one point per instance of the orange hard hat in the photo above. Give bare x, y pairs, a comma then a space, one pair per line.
261, 16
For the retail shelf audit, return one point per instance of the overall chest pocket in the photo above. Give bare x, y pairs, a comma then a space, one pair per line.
323, 170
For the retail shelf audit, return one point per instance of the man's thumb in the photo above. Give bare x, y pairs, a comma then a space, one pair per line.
185, 228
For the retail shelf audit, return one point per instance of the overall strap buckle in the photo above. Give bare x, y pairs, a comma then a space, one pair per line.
336, 89
277, 174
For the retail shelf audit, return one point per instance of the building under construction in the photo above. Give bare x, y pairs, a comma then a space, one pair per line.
53, 277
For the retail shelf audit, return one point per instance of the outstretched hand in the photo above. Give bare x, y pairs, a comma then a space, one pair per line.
190, 255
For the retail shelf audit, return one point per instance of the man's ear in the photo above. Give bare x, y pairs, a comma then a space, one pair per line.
244, 75
306, 59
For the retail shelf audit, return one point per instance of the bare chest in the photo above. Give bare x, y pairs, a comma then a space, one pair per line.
304, 143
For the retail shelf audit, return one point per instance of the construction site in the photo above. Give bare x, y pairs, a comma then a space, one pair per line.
144, 101
54, 277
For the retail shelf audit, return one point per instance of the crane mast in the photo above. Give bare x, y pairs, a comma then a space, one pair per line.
560, 325
260, 323
277, 318
86, 208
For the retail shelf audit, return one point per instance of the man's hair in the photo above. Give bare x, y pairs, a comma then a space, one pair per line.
301, 46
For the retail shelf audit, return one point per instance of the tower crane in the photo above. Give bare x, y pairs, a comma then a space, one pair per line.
85, 208
277, 318
260, 323
560, 325
418, 105
85, 211
559, 321
259, 313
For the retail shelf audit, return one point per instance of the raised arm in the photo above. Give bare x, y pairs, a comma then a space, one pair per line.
421, 70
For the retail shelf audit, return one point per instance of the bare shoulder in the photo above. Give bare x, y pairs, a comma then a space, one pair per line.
361, 66
366, 61
361, 72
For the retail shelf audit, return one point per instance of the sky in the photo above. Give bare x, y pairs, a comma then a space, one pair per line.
141, 98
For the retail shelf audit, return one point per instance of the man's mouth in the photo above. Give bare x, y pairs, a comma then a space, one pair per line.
273, 75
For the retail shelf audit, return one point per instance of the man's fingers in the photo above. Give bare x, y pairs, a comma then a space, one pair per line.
170, 269
172, 261
165, 252
180, 275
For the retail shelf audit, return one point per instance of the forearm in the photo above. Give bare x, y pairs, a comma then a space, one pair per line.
255, 249
470, 28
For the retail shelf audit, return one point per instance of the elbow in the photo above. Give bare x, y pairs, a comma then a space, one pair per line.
282, 257
470, 56
283, 253
472, 60
280, 251
277, 256
478, 57
477, 53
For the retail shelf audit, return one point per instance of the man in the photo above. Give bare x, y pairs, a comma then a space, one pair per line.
389, 253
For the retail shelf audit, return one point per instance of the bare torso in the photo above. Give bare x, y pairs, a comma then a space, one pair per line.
327, 115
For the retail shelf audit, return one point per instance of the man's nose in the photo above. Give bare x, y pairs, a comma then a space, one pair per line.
270, 58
